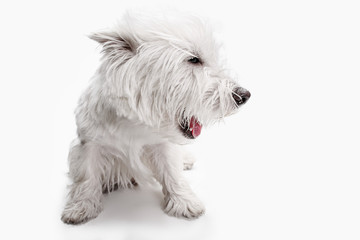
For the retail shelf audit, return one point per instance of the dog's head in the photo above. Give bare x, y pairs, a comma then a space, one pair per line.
165, 73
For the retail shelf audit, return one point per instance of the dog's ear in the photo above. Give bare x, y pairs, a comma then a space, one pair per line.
112, 42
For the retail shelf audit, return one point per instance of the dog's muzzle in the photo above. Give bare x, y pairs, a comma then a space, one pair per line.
240, 95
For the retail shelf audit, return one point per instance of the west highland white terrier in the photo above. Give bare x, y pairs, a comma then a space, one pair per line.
159, 83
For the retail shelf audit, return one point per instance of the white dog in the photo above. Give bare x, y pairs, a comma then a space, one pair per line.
158, 84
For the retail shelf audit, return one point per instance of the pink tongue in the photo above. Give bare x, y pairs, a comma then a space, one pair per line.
195, 127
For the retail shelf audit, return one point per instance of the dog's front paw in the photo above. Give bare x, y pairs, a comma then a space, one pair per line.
77, 212
179, 206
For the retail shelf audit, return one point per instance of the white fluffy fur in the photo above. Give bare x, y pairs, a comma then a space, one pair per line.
129, 117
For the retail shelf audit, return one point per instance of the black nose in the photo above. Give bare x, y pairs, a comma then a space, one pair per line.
241, 95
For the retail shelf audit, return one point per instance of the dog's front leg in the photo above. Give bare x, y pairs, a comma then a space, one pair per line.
84, 199
167, 164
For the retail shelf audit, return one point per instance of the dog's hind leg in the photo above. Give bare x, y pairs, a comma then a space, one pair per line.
86, 171
117, 174
188, 161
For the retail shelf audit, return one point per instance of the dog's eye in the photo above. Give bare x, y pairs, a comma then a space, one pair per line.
194, 60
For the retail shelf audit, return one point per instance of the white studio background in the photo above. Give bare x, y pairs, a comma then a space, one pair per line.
285, 167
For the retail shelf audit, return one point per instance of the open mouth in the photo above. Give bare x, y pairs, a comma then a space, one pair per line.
191, 130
